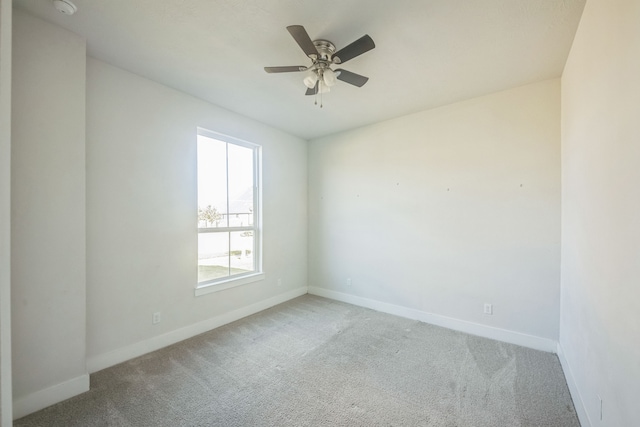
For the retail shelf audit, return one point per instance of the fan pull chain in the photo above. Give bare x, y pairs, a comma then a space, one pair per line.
320, 80
315, 95
317, 88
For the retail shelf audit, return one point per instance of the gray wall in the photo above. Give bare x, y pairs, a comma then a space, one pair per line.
600, 320
442, 211
5, 210
48, 270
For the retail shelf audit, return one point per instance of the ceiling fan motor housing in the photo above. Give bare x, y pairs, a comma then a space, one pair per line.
325, 48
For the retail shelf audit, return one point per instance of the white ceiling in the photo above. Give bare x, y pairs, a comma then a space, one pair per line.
428, 52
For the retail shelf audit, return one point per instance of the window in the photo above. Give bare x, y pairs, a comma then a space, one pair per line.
228, 211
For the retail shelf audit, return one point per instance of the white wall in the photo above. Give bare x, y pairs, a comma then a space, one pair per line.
141, 215
128, 239
441, 211
600, 321
5, 210
48, 213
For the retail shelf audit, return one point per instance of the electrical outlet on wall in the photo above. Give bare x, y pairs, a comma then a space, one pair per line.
155, 319
349, 281
279, 282
488, 308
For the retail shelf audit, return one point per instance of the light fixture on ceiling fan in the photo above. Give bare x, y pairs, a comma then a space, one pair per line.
323, 78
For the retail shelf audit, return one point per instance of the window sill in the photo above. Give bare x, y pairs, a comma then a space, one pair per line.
228, 284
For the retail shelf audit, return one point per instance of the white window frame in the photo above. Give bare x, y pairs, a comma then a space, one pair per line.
222, 283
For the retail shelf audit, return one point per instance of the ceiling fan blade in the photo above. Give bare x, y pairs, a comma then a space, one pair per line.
302, 38
288, 69
312, 91
358, 47
351, 78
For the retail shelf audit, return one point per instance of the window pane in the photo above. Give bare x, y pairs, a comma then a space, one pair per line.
242, 252
212, 183
213, 256
227, 185
240, 186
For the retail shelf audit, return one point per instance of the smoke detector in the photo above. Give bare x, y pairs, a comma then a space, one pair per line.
65, 6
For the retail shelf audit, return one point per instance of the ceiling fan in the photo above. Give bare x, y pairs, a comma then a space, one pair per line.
320, 76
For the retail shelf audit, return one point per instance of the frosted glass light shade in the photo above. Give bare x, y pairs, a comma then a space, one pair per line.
310, 80
329, 77
323, 88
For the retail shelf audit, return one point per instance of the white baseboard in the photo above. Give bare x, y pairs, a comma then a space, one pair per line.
578, 403
102, 361
33, 402
504, 335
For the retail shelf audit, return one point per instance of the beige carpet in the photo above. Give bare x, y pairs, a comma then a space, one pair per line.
317, 362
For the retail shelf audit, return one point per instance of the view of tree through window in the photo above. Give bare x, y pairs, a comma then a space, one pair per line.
227, 208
